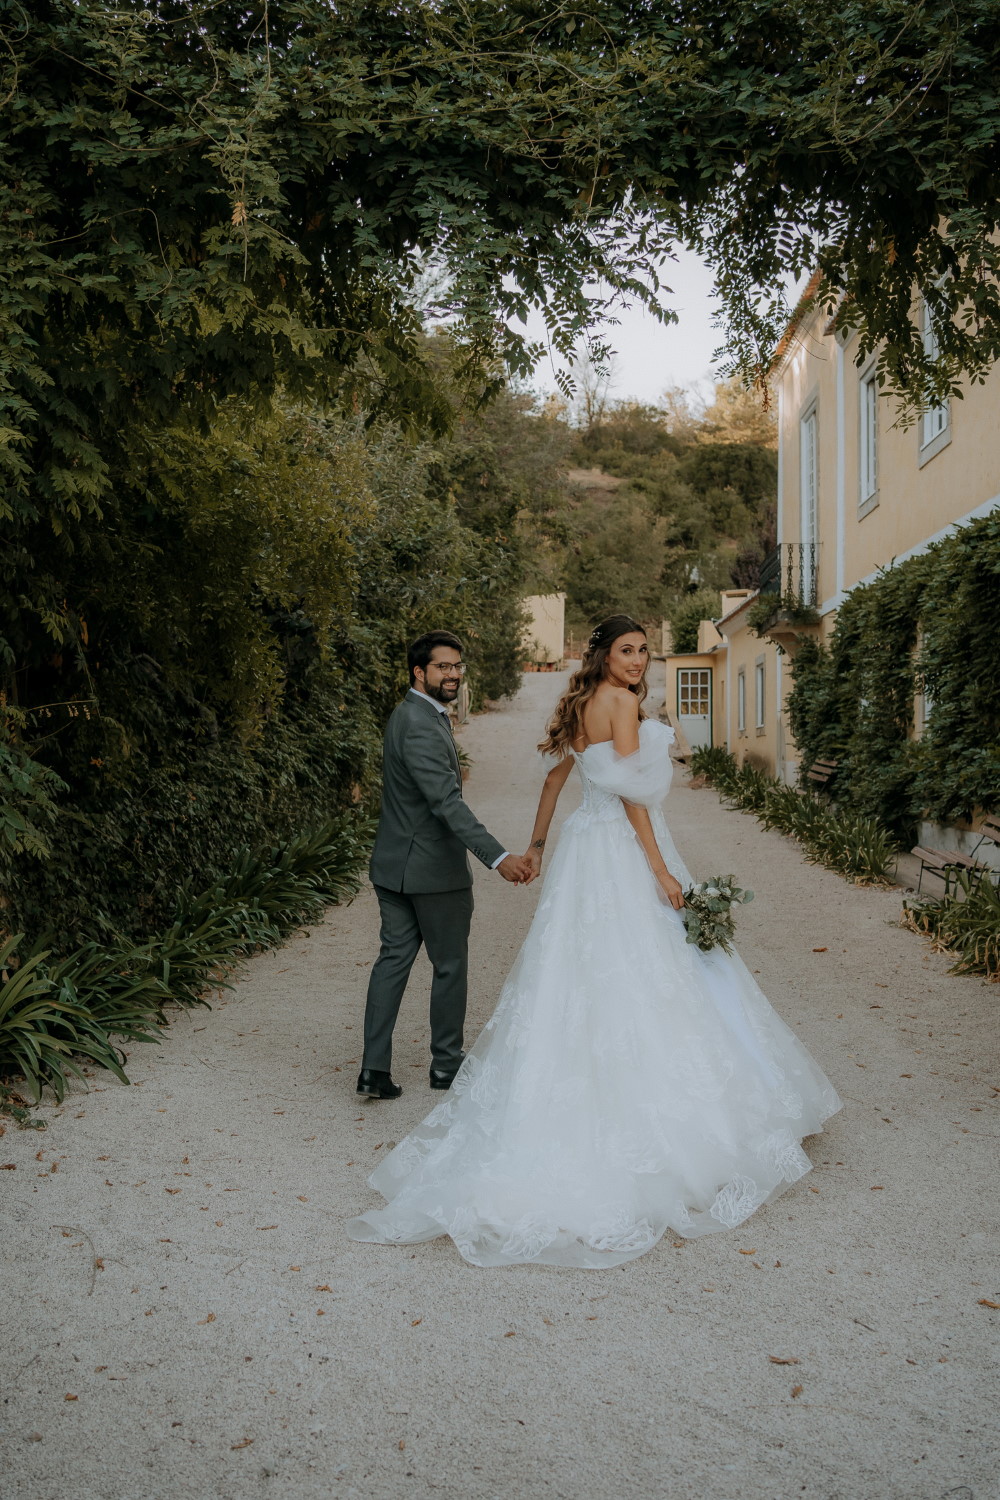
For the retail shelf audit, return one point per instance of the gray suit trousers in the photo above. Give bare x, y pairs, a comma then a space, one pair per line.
440, 920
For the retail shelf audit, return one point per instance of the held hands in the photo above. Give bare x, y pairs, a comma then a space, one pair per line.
533, 856
671, 888
517, 869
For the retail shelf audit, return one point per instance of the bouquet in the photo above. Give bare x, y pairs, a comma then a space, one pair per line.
708, 912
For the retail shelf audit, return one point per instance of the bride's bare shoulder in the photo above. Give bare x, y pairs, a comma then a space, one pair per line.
621, 702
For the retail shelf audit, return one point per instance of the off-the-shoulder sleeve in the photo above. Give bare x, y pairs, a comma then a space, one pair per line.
644, 776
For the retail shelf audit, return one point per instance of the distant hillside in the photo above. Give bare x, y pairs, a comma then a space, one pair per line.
661, 504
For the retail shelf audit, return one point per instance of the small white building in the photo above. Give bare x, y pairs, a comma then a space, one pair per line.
545, 632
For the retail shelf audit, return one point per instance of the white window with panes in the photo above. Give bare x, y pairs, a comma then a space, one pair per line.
758, 695
868, 437
693, 688
741, 701
934, 421
809, 499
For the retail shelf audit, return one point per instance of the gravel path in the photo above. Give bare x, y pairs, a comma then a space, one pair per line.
183, 1316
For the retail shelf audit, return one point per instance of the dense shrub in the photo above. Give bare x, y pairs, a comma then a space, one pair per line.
58, 1013
227, 657
854, 845
687, 614
964, 922
926, 627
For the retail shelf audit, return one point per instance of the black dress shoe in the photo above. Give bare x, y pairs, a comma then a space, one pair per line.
377, 1085
443, 1078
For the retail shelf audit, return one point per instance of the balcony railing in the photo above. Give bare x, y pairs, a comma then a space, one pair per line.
790, 571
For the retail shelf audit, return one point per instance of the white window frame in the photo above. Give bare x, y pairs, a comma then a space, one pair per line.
759, 694
694, 686
809, 490
867, 441
935, 422
741, 701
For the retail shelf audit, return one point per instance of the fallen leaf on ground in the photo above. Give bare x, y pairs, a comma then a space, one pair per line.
748, 1252
878, 1189
245, 1444
324, 1288
321, 1312
985, 1302
415, 1322
68, 1397
402, 1445
209, 1319
171, 1190
509, 1335
819, 950
8, 1166
262, 1227
782, 1359
796, 1391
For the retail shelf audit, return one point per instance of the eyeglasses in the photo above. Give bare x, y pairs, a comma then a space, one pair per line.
449, 668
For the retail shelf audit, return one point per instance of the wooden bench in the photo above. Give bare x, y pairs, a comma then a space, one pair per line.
821, 771
989, 833
946, 863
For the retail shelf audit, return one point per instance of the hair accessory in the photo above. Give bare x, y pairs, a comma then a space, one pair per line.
595, 638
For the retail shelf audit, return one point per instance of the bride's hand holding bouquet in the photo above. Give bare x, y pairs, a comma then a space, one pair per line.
670, 888
708, 912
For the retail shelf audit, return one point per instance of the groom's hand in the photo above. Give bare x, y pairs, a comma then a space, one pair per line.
515, 868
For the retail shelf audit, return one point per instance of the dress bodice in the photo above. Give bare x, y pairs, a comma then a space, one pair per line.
596, 800
642, 777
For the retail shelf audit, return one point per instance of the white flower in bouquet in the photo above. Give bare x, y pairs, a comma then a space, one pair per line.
708, 912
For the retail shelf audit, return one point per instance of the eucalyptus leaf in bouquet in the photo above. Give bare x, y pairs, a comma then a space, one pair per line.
708, 912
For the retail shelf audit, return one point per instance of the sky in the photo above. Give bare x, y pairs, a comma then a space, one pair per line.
651, 357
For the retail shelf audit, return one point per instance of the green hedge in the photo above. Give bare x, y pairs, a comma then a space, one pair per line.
853, 844
930, 624
57, 1014
233, 640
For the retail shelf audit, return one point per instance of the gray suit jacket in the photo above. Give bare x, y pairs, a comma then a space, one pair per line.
425, 827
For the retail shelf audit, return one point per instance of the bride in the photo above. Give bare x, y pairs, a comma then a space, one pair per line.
627, 1082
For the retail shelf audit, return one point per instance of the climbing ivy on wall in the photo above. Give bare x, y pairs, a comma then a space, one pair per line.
927, 625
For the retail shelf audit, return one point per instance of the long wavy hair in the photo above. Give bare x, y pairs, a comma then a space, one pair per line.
566, 724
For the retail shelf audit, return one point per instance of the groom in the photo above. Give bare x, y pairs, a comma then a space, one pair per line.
420, 869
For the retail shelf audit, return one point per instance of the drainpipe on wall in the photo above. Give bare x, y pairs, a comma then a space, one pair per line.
841, 469
779, 757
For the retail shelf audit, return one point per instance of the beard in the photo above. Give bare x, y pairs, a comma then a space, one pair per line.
444, 692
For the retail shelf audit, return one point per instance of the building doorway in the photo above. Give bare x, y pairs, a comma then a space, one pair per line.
694, 705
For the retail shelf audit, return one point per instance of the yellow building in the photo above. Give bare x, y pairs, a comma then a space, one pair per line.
544, 633
857, 493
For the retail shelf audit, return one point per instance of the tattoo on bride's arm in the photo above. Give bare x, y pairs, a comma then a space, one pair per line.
538, 844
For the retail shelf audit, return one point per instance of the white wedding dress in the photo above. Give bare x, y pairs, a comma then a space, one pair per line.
626, 1084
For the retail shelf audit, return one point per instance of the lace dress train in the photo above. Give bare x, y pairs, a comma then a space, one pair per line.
626, 1083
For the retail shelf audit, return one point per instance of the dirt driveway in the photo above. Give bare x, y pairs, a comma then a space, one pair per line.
183, 1316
